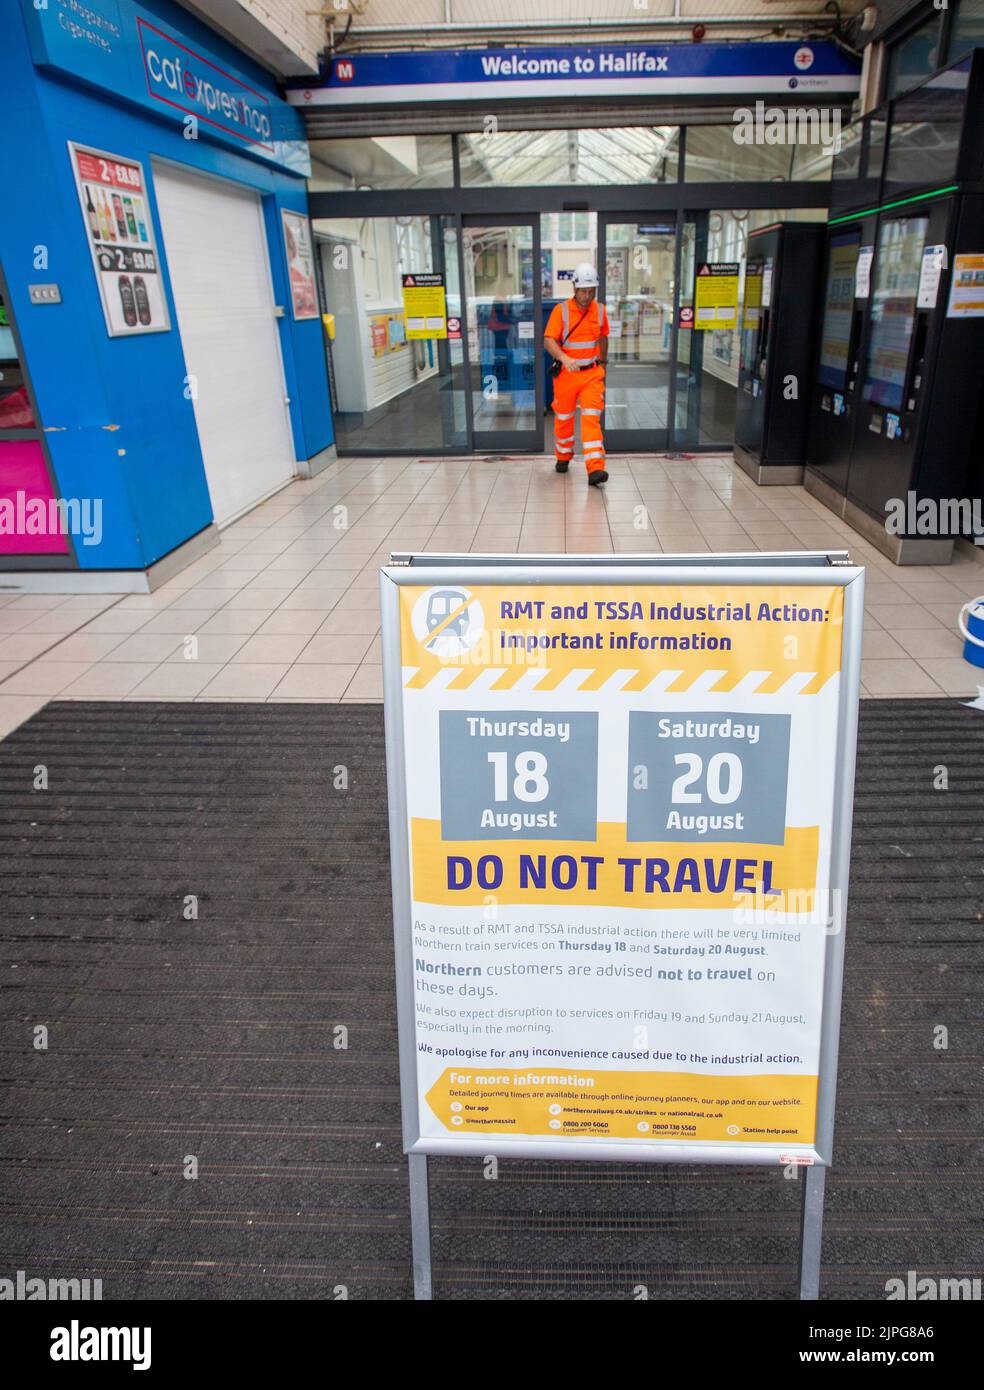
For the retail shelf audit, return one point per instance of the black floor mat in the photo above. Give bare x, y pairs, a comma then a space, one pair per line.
176, 1039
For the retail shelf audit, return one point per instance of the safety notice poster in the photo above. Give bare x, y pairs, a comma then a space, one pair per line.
967, 287
620, 808
716, 294
113, 196
753, 296
425, 306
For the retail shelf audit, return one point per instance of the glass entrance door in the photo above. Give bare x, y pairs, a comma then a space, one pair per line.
392, 393
637, 268
503, 286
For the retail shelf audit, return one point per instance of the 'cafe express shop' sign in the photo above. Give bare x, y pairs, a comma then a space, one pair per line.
123, 49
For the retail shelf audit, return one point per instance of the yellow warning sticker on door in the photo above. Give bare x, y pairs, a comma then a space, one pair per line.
716, 294
425, 306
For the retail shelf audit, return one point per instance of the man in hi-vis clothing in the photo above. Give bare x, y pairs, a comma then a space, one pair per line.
576, 337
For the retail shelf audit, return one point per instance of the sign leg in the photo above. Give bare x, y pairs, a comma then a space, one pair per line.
420, 1226
811, 1230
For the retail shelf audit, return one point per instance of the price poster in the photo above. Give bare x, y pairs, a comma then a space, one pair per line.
116, 213
716, 294
617, 819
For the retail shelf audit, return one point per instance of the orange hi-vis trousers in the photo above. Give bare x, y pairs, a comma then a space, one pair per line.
587, 390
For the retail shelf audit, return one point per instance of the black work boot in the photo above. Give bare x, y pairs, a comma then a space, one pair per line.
598, 477
562, 465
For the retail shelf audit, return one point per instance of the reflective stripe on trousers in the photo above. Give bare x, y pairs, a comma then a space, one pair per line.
564, 434
587, 391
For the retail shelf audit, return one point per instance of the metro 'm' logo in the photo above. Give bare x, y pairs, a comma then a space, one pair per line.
345, 70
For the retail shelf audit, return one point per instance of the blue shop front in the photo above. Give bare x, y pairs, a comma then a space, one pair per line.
162, 360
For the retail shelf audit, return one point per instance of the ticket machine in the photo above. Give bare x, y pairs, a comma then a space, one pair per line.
844, 299
897, 395
777, 339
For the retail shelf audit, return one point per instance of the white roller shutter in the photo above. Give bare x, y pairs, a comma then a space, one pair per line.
218, 261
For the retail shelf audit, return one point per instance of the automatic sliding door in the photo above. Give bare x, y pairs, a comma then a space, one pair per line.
502, 293
393, 394
638, 288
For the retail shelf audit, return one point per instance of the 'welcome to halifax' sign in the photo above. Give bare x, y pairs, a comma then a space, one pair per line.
592, 70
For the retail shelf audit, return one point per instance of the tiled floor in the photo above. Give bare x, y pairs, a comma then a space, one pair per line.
286, 606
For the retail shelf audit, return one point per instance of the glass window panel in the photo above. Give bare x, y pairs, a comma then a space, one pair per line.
813, 163
875, 162
913, 58
847, 160
846, 177
968, 27
707, 360
924, 139
15, 405
391, 393
618, 154
707, 365
454, 420
384, 161
503, 341
639, 263
560, 252
714, 155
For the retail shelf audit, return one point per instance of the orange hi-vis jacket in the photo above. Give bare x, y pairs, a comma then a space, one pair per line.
583, 340
584, 388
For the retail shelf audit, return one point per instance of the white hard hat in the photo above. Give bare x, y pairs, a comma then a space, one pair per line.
585, 276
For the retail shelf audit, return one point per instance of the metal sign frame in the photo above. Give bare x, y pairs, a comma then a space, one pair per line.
829, 568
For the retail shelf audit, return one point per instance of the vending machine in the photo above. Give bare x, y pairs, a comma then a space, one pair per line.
897, 394
777, 336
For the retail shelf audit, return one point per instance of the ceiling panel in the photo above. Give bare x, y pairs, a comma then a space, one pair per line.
424, 13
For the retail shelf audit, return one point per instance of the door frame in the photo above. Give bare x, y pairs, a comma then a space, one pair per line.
641, 441
510, 441
681, 201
